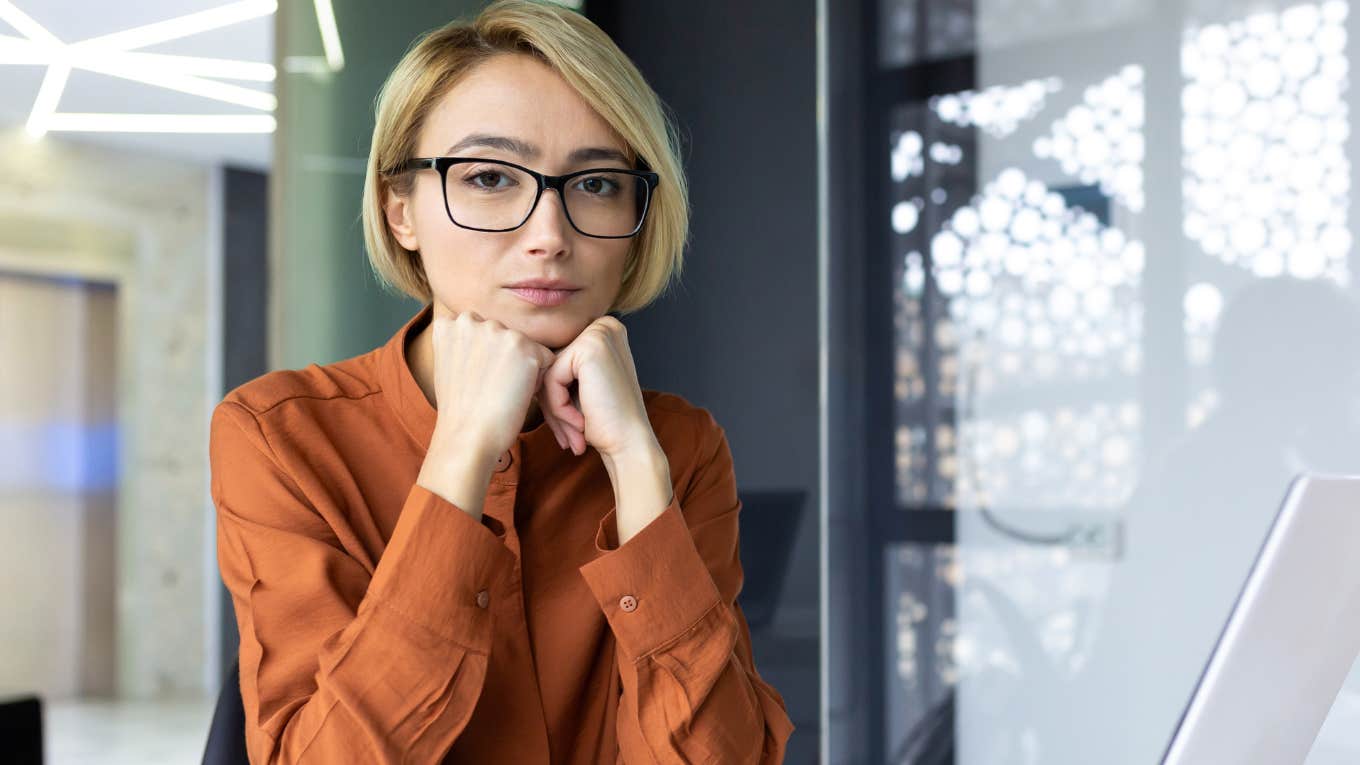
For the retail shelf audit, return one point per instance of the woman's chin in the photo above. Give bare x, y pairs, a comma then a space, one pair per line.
550, 334
554, 329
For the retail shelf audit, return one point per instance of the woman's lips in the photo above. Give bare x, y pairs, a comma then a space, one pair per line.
543, 297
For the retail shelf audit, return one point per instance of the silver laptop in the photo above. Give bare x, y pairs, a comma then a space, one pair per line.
1291, 638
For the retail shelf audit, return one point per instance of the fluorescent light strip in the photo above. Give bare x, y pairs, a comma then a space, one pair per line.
306, 65
227, 69
197, 86
25, 25
330, 35
54, 82
18, 50
183, 26
161, 123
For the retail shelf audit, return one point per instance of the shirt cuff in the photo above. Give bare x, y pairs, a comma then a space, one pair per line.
654, 588
443, 570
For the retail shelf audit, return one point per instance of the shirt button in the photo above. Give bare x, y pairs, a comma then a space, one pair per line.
483, 599
503, 462
628, 603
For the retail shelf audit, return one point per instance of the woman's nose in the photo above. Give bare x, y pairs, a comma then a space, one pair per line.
547, 225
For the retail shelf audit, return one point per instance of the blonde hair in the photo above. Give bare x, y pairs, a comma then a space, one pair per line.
583, 55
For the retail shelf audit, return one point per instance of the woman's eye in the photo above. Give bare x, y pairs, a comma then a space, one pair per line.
489, 179
597, 184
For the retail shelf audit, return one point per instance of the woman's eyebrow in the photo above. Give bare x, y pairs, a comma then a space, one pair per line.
525, 149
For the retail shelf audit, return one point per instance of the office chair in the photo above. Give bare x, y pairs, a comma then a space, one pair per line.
21, 730
227, 734
769, 527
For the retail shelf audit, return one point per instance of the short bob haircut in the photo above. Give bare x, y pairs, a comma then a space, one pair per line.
594, 66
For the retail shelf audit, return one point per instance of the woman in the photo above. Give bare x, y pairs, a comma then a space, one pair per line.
482, 542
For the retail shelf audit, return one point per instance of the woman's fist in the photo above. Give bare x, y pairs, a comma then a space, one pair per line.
607, 410
485, 376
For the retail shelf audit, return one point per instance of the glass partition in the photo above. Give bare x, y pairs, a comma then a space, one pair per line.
1124, 315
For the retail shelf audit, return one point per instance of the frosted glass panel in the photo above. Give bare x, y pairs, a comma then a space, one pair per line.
1126, 316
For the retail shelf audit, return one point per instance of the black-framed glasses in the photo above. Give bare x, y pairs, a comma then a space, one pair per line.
495, 195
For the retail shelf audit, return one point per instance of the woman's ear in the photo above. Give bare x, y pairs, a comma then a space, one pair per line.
400, 221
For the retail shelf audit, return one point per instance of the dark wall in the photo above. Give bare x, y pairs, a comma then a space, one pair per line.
740, 336
245, 296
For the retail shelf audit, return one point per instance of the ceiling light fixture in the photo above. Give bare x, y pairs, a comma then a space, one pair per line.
334, 58
221, 68
161, 123
25, 25
20, 50
171, 80
116, 55
330, 35
182, 26
46, 102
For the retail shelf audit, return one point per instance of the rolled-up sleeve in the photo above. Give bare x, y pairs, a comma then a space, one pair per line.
340, 663
691, 692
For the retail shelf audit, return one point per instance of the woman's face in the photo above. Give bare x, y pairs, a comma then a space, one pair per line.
517, 97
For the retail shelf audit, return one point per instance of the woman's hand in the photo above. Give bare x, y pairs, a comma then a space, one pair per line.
485, 376
608, 413
606, 410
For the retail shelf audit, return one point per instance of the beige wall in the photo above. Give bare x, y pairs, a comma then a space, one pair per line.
57, 496
143, 223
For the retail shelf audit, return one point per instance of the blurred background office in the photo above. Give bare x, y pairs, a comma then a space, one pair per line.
1019, 317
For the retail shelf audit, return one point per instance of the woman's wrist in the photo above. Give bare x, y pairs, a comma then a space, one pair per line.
642, 488
458, 470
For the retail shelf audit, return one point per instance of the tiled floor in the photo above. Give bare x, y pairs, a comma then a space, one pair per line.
125, 732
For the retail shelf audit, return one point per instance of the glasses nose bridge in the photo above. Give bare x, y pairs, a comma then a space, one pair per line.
557, 183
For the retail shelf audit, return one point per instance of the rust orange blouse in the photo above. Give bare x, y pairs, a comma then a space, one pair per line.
380, 623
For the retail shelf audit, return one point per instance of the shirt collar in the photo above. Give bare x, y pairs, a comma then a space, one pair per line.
399, 386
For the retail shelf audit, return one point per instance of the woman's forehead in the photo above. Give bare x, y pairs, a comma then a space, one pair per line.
524, 102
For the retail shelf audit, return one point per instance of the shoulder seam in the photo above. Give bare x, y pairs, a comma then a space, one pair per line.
313, 397
273, 455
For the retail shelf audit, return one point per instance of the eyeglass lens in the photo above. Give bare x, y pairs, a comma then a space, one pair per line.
494, 196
